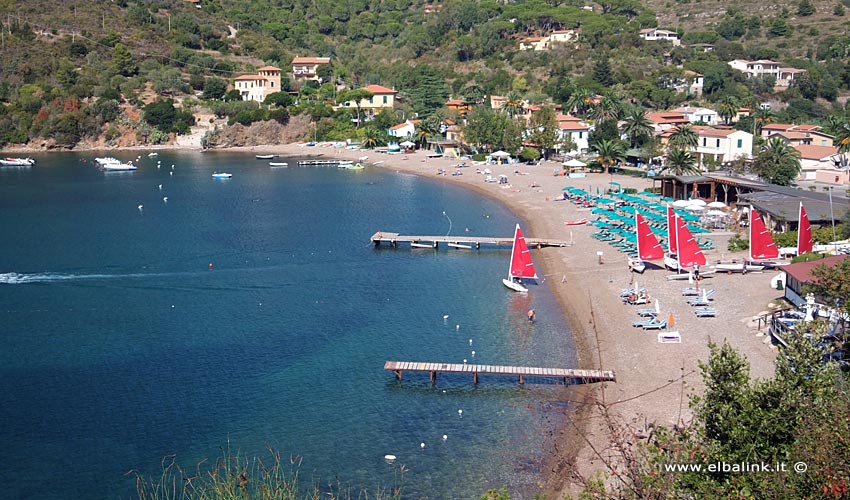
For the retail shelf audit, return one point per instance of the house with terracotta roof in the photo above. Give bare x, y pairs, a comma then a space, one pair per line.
459, 105
497, 101
306, 68
382, 98
653, 34
798, 275
784, 75
697, 115
798, 134
720, 145
547, 41
404, 130
815, 158
574, 128
258, 87
666, 120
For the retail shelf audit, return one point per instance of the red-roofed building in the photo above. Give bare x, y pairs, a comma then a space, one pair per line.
458, 105
771, 128
307, 67
665, 120
574, 128
800, 274
404, 130
258, 87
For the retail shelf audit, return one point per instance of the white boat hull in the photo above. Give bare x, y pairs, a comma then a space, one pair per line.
118, 166
637, 266
684, 276
513, 285
737, 267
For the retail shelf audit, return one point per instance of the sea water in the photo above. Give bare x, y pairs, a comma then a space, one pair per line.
162, 312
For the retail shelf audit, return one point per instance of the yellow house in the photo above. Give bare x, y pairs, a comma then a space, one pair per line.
382, 97
258, 87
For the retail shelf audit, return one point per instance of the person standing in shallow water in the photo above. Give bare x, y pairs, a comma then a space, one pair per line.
531, 315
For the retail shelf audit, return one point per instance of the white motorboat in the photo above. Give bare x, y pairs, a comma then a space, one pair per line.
278, 164
17, 162
221, 175
106, 159
521, 267
265, 157
114, 167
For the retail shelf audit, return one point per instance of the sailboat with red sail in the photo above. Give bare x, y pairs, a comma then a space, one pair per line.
805, 242
762, 247
647, 244
522, 267
671, 260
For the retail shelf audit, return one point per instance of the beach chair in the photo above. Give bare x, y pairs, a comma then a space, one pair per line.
640, 299
643, 323
655, 326
690, 292
647, 313
703, 299
705, 312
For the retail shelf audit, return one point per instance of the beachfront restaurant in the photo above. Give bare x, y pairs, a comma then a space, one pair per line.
686, 187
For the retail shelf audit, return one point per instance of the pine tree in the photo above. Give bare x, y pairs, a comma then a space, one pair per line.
602, 72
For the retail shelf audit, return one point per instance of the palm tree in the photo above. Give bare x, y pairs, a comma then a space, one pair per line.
761, 117
609, 108
580, 101
777, 162
513, 104
685, 138
637, 126
727, 108
680, 162
424, 131
373, 137
610, 152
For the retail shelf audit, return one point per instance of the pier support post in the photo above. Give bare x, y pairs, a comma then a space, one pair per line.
474, 377
520, 379
398, 374
433, 377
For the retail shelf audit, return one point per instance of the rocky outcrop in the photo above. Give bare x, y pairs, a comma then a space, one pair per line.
260, 133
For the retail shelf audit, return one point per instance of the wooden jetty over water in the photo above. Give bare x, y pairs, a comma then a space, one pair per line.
567, 374
467, 242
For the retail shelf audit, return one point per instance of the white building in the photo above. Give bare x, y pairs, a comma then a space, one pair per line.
404, 130
652, 34
573, 127
785, 76
723, 145
696, 115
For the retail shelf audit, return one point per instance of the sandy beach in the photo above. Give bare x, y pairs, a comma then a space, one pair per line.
653, 379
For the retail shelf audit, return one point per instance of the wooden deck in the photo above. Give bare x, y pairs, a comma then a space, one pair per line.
460, 241
567, 374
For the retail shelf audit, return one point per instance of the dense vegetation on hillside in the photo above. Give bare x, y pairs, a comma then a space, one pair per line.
75, 71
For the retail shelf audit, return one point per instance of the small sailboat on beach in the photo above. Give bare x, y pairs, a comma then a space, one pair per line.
521, 267
762, 247
688, 257
648, 247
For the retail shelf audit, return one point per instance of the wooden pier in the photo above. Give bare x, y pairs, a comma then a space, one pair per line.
465, 242
567, 374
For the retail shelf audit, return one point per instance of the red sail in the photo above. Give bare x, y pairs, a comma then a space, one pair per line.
521, 263
647, 244
689, 253
672, 245
805, 243
761, 243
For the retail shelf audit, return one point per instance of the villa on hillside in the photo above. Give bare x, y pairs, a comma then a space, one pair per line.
382, 98
798, 134
404, 130
258, 87
821, 163
306, 68
653, 34
663, 121
785, 76
546, 42
459, 105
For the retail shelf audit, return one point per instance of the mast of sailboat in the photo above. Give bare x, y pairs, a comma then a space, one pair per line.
513, 254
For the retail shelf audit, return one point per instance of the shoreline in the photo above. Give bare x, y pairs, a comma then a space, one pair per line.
586, 291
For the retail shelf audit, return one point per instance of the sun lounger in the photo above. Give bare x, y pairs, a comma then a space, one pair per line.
669, 338
690, 292
705, 312
644, 313
625, 292
698, 302
656, 326
642, 299
643, 323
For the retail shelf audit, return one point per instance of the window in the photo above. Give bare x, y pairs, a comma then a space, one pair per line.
271, 85
718, 143
580, 134
385, 99
704, 142
372, 100
740, 143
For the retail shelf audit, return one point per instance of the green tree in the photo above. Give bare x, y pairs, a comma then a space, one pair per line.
279, 99
122, 61
214, 88
779, 27
544, 130
777, 162
355, 96
602, 72
373, 137
514, 104
684, 137
805, 8
580, 101
485, 128
762, 117
637, 127
727, 108
609, 109
681, 162
831, 283
609, 152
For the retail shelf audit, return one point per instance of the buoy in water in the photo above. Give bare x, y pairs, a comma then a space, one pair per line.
389, 458
421, 445
445, 437
445, 316
211, 266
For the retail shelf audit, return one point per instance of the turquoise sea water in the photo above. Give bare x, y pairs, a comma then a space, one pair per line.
121, 346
